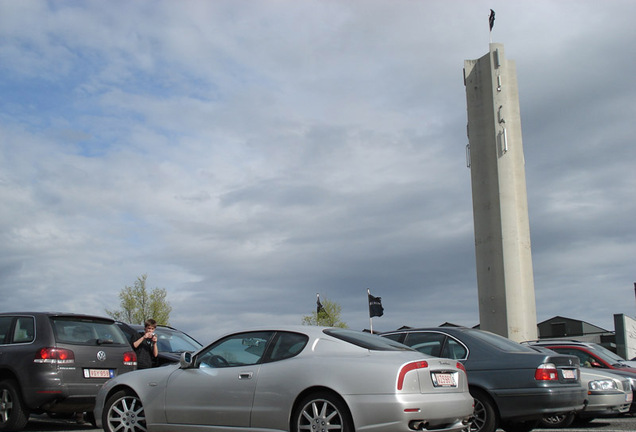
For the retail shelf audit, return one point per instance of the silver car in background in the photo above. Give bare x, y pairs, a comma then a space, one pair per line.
608, 395
295, 379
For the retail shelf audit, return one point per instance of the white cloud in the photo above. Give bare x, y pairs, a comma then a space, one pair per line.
246, 155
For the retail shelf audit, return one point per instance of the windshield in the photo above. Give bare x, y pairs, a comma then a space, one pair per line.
606, 354
171, 341
367, 340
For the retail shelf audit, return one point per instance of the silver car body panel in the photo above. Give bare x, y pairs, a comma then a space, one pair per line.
262, 396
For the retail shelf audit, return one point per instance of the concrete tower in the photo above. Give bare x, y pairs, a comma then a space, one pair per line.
500, 204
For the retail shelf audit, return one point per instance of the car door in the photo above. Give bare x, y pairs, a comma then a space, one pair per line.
219, 389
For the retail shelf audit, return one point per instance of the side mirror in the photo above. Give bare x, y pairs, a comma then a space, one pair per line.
185, 361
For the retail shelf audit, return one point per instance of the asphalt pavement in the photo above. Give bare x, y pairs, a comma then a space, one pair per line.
45, 424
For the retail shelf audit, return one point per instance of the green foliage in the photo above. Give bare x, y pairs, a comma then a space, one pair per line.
329, 316
137, 304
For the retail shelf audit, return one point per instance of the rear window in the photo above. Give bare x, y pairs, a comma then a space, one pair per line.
86, 331
499, 342
366, 340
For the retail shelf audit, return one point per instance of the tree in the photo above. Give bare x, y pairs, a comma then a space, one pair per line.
137, 305
328, 316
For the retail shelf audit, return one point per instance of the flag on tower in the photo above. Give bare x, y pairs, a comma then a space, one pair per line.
491, 19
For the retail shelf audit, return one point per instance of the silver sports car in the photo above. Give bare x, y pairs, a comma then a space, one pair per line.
297, 379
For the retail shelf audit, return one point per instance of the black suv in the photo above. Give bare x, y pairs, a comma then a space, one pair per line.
56, 362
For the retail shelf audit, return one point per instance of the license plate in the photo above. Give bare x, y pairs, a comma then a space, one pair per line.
568, 374
99, 373
444, 380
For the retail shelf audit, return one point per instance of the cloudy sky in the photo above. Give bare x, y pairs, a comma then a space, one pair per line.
246, 155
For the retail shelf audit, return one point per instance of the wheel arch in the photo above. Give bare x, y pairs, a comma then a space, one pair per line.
476, 388
8, 374
121, 387
318, 389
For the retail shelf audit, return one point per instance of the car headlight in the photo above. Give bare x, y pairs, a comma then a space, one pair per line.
602, 385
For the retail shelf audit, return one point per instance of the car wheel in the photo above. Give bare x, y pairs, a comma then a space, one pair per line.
322, 412
484, 415
13, 414
562, 420
124, 412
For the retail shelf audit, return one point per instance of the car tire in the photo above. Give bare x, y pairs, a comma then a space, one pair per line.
485, 414
554, 421
322, 412
13, 414
124, 411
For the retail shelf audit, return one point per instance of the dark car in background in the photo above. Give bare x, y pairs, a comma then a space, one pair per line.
514, 386
55, 363
170, 342
593, 356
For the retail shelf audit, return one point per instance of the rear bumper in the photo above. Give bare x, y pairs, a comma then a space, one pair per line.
390, 413
47, 391
606, 404
535, 403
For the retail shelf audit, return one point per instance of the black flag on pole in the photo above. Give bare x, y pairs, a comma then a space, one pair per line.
491, 19
375, 306
319, 308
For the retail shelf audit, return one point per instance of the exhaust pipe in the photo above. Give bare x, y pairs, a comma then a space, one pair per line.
418, 425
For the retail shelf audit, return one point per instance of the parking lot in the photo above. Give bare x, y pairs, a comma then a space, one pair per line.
45, 424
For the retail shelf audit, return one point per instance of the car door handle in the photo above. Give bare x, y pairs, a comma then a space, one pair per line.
245, 375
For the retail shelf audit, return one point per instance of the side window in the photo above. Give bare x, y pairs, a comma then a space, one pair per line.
427, 343
397, 337
454, 350
5, 328
236, 350
23, 331
287, 345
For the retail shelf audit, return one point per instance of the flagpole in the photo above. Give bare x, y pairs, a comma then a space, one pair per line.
370, 318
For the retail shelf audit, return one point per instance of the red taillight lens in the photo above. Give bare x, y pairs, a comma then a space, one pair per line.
54, 356
460, 367
546, 372
407, 368
130, 358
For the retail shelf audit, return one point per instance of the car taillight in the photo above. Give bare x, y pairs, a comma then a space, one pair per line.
54, 356
130, 358
407, 368
546, 372
460, 367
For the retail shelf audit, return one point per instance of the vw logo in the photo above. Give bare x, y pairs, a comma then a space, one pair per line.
101, 355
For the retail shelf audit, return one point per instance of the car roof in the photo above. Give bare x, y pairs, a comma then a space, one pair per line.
559, 342
453, 329
60, 314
